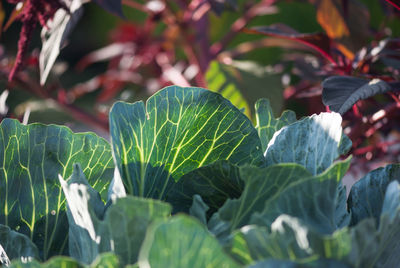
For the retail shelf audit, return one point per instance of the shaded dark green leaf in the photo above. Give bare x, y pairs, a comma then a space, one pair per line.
215, 183
367, 195
15, 246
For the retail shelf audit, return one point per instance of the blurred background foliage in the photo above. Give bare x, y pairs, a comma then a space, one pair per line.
214, 44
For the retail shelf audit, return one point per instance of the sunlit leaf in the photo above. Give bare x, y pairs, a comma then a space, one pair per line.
31, 157
313, 142
179, 130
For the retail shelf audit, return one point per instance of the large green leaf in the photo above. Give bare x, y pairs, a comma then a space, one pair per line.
15, 246
261, 184
215, 183
363, 245
374, 246
179, 130
291, 239
313, 142
122, 230
182, 242
31, 198
367, 195
318, 210
267, 125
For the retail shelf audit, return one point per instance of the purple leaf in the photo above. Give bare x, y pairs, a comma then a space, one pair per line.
341, 92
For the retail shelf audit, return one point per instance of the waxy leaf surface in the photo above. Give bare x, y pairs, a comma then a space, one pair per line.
261, 184
31, 157
313, 142
318, 210
179, 130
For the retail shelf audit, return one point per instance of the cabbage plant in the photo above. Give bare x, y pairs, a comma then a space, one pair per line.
188, 181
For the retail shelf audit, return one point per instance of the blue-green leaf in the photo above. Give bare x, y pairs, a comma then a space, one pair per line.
261, 184
313, 142
367, 195
15, 246
318, 210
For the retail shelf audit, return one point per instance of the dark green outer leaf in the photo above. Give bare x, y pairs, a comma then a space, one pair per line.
31, 157
16, 245
215, 183
179, 130
378, 247
367, 195
267, 125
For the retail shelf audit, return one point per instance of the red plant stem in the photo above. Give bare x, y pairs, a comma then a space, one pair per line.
24, 82
191, 54
236, 27
369, 148
396, 5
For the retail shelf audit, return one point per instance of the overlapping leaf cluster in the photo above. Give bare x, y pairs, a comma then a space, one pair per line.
195, 184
